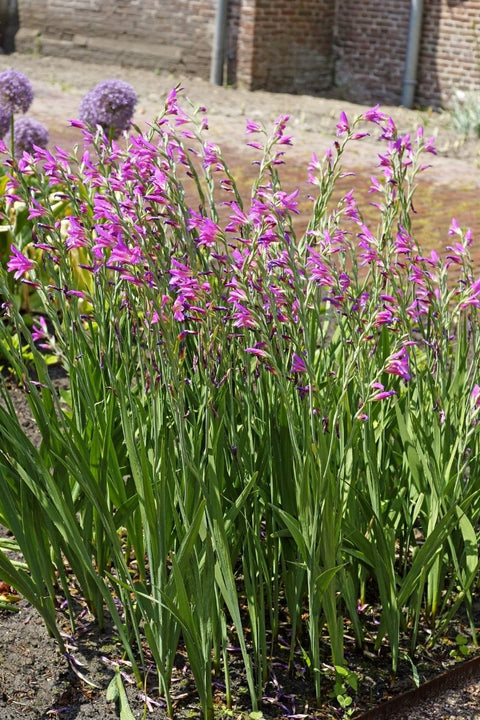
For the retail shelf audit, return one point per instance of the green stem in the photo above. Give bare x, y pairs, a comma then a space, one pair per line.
12, 135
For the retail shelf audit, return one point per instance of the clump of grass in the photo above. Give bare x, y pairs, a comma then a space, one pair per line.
258, 424
466, 112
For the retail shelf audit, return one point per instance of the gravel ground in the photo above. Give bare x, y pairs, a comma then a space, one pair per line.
59, 85
450, 187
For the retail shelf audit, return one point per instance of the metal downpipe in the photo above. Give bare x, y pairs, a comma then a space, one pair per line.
413, 51
219, 43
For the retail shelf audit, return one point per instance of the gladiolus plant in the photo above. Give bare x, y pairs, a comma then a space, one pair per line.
259, 424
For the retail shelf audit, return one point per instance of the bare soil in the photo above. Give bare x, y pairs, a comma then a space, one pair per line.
36, 682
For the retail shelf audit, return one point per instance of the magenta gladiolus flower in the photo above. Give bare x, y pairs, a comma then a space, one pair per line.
40, 331
403, 242
475, 402
374, 115
76, 234
243, 317
383, 395
207, 229
384, 317
238, 218
183, 280
280, 125
37, 211
178, 308
125, 255
252, 127
455, 228
397, 364
428, 144
298, 364
212, 157
318, 271
19, 262
343, 125
389, 130
286, 202
258, 352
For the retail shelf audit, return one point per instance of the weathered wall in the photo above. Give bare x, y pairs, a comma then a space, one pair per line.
173, 35
286, 45
450, 53
233, 29
305, 46
283, 45
371, 42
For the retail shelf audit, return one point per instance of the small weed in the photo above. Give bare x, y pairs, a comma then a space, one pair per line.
345, 682
462, 649
466, 112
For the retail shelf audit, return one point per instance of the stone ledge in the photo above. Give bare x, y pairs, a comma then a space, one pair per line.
26, 39
132, 52
135, 45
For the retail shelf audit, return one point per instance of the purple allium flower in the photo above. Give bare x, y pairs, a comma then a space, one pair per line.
110, 104
4, 122
27, 133
16, 92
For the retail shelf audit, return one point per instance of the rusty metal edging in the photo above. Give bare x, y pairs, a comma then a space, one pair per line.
459, 675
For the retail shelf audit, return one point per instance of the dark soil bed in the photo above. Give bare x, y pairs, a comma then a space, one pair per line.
38, 683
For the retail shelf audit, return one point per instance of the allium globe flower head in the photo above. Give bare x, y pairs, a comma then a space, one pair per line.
27, 133
4, 122
111, 105
16, 93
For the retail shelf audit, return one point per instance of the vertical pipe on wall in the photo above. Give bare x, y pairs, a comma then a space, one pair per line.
413, 51
219, 43
8, 24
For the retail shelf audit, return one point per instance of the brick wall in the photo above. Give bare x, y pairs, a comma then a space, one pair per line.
450, 54
246, 42
286, 45
371, 41
233, 29
173, 35
358, 46
304, 46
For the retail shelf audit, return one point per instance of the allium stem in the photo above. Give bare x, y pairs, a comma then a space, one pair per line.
12, 135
